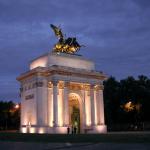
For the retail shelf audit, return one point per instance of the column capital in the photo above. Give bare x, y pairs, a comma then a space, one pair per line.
99, 87
49, 84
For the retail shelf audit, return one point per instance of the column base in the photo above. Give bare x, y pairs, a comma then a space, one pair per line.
98, 129
58, 130
40, 130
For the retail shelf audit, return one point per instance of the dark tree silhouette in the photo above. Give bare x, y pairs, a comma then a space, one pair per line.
118, 93
9, 116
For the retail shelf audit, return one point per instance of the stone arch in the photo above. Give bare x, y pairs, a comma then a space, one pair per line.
81, 104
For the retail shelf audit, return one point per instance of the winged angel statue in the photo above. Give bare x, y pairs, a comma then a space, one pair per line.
69, 45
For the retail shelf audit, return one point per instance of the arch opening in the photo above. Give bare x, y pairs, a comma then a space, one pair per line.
75, 113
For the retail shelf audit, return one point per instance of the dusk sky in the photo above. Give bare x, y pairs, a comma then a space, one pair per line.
116, 34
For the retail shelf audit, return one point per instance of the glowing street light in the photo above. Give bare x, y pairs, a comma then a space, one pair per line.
17, 106
129, 106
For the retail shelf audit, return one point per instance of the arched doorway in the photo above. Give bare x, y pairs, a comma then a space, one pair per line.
74, 112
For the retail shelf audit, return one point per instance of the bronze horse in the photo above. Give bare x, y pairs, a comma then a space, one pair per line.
69, 45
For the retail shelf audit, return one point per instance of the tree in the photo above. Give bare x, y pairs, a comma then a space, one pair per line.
9, 116
111, 99
127, 91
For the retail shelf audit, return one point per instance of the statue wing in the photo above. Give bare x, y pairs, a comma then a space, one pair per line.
57, 31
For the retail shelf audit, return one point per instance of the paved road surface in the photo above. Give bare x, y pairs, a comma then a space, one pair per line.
71, 146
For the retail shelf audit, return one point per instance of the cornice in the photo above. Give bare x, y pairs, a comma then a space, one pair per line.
65, 71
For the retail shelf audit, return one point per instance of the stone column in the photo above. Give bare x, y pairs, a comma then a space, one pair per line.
41, 101
83, 108
82, 111
97, 106
87, 107
66, 104
101, 103
55, 103
92, 105
50, 105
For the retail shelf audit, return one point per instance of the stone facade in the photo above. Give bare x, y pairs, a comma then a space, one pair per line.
45, 91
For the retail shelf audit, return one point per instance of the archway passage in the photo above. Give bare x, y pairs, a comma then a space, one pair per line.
74, 113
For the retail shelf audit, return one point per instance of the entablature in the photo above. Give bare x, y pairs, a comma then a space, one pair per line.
63, 71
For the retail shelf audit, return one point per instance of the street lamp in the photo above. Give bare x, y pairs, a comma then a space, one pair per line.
16, 106
129, 106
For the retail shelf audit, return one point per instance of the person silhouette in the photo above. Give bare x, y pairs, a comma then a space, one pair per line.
75, 129
68, 130
72, 130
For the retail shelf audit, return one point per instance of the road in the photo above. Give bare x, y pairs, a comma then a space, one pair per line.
72, 146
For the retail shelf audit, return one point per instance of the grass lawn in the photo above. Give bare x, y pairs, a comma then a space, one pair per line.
118, 137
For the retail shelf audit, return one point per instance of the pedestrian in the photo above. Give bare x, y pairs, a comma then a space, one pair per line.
72, 130
68, 130
75, 130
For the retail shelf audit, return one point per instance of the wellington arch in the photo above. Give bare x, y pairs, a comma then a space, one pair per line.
61, 91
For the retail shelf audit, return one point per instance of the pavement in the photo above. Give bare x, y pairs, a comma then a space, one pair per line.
72, 146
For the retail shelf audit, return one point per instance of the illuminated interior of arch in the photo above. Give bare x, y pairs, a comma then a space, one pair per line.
74, 112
